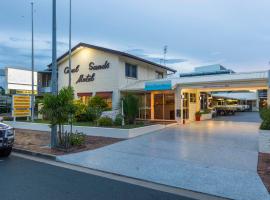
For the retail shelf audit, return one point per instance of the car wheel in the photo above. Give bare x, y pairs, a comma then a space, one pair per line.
5, 152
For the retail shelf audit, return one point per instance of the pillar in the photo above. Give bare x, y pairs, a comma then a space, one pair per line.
177, 97
152, 106
268, 96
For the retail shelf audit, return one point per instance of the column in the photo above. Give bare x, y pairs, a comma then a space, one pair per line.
268, 97
177, 96
152, 106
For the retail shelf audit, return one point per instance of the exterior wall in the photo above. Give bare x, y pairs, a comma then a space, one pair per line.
105, 80
145, 72
193, 107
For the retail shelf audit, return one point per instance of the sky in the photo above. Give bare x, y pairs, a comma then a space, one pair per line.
234, 33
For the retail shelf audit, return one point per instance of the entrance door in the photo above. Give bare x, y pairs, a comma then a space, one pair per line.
158, 106
186, 106
164, 106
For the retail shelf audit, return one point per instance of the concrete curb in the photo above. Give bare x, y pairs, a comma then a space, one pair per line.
33, 153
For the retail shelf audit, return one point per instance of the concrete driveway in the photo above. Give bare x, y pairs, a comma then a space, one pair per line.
213, 157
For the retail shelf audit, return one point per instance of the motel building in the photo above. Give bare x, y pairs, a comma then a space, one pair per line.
111, 74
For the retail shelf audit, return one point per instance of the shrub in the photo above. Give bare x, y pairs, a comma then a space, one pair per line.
265, 115
118, 120
58, 109
131, 108
96, 106
77, 139
98, 102
206, 111
105, 121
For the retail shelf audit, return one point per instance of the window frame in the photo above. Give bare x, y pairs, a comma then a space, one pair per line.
129, 70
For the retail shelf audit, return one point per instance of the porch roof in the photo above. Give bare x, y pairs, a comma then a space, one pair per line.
245, 78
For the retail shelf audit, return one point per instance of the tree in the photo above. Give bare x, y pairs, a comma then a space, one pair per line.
131, 108
59, 110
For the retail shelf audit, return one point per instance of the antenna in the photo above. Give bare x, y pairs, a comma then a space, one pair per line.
165, 50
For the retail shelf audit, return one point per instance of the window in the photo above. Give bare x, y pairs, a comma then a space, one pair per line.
84, 97
107, 97
131, 70
159, 75
192, 98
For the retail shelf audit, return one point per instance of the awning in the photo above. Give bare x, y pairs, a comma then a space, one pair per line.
105, 95
84, 94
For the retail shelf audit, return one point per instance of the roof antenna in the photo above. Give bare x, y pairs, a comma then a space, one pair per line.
165, 50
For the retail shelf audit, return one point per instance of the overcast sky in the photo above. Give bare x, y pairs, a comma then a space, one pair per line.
234, 33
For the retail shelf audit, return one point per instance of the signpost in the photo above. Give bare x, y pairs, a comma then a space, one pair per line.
21, 106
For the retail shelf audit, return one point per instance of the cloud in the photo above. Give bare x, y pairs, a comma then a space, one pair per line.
155, 58
16, 51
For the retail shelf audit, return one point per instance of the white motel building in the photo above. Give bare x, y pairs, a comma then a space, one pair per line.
110, 74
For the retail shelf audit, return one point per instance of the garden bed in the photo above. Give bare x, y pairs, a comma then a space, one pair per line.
38, 141
264, 169
89, 124
123, 133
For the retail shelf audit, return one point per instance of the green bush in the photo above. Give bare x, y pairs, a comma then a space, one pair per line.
131, 108
98, 102
96, 106
118, 120
265, 116
77, 139
105, 121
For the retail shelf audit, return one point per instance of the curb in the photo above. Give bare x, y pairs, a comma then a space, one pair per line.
32, 153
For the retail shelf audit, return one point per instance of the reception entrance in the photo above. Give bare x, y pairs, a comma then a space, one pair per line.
164, 106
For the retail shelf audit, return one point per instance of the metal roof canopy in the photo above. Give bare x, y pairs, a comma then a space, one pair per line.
225, 82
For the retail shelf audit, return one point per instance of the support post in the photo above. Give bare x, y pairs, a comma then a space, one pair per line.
152, 106
32, 95
54, 69
177, 97
268, 89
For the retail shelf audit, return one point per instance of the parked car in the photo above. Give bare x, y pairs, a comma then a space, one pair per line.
7, 135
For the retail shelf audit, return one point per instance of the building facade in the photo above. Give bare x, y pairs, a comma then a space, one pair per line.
17, 80
103, 72
107, 73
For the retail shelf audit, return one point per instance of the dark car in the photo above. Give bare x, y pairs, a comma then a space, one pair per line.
7, 134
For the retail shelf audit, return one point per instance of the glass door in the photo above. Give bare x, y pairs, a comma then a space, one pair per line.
185, 106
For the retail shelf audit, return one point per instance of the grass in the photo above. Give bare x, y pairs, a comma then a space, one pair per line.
90, 124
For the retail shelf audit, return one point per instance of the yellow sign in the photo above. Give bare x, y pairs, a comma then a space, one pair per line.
21, 106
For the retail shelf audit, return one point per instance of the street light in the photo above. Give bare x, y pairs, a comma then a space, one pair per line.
54, 68
32, 96
69, 59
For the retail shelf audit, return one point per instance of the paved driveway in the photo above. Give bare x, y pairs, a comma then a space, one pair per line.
214, 157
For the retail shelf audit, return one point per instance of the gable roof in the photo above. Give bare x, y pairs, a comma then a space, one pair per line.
120, 53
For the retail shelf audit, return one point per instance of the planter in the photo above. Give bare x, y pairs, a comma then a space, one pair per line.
206, 116
197, 117
93, 131
264, 141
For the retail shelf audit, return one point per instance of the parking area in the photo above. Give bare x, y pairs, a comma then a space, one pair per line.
241, 117
217, 157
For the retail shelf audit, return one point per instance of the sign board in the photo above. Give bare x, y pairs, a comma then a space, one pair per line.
158, 85
21, 106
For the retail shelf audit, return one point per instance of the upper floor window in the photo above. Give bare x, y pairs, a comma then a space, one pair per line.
159, 75
131, 70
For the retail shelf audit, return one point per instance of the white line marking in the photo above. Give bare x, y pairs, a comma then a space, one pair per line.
150, 185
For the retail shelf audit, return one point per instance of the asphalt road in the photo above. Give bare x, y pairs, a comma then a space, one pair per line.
23, 179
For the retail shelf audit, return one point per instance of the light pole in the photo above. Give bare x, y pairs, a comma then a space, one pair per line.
69, 58
32, 96
54, 68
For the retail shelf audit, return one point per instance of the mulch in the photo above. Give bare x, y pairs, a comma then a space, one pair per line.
38, 141
264, 169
